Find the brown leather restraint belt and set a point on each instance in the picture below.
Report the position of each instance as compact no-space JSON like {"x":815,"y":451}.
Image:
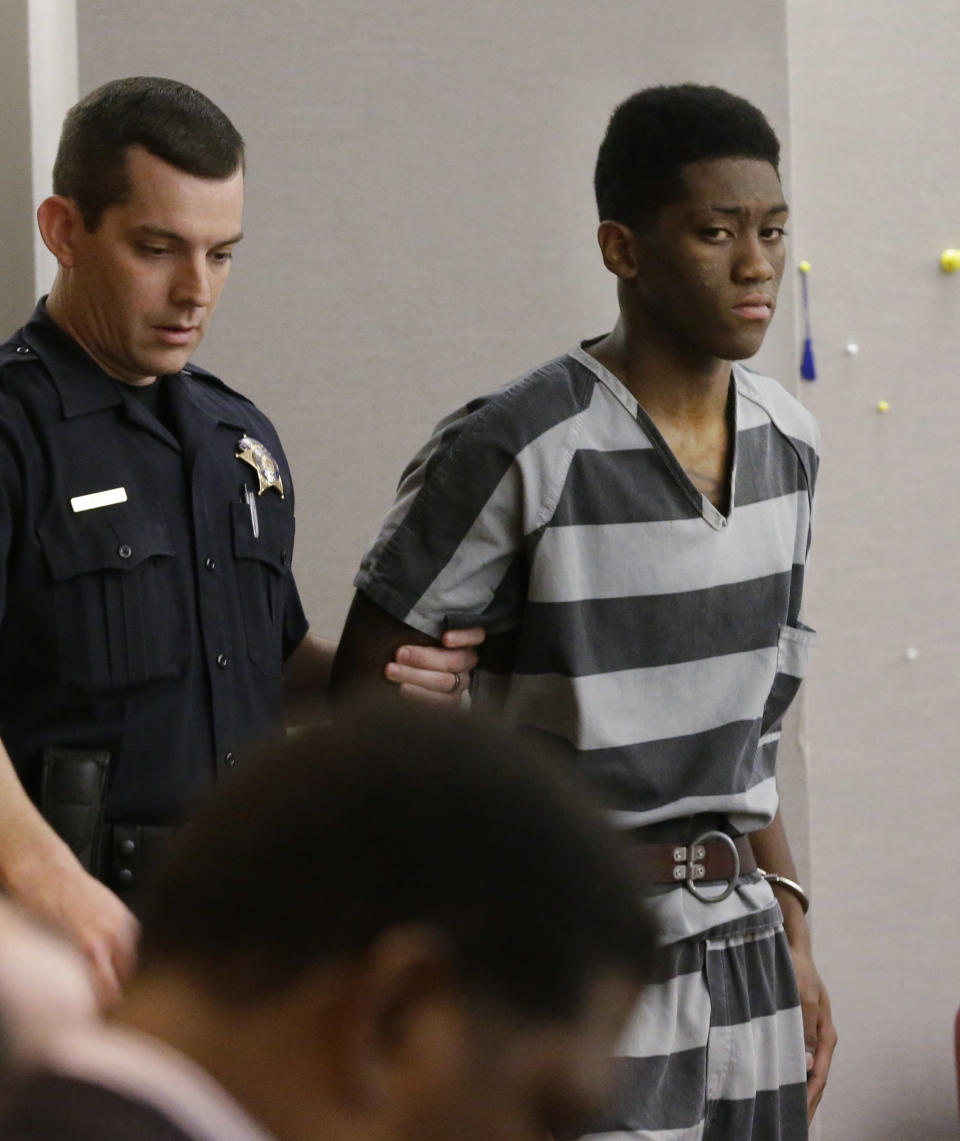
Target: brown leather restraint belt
{"x":712,"y":857}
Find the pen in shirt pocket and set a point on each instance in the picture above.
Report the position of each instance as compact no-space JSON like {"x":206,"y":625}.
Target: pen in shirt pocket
{"x":252,"y":505}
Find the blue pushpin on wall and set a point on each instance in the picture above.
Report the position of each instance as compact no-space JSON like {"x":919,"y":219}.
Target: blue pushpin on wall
{"x":808,"y":366}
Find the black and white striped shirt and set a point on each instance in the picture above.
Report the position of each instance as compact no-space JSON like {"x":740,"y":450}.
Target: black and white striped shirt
{"x":625,"y":614}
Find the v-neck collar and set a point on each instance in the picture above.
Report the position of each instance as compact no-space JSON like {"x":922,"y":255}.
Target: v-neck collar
{"x":701,"y":504}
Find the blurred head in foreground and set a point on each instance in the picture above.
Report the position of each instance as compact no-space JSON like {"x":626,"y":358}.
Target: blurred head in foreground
{"x":398,"y":926}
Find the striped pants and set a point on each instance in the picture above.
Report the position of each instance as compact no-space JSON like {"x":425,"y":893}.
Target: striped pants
{"x":715,"y":1050}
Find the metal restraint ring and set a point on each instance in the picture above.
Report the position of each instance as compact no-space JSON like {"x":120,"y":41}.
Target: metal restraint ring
{"x":688,"y":868}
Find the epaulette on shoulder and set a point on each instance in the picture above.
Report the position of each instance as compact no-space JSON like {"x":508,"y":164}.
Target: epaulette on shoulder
{"x":195,"y":372}
{"x":14,"y":351}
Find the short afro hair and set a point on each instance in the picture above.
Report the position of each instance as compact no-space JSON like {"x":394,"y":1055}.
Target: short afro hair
{"x":172,"y":121}
{"x":392,"y":816}
{"x":657,"y":131}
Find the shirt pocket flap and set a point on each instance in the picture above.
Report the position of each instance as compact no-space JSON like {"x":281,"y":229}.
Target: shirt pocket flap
{"x":121,"y":540}
{"x":271,"y":542}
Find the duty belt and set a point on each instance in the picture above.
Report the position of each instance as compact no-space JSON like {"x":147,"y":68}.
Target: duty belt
{"x":133,"y":852}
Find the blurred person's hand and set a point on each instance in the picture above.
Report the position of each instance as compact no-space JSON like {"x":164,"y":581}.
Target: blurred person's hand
{"x":45,"y":985}
{"x":68,"y":899}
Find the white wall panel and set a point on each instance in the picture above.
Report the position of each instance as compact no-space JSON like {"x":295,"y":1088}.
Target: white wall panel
{"x":16,"y":213}
{"x":53,"y":90}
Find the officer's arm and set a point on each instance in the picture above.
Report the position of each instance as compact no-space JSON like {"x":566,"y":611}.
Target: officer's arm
{"x":377,"y":649}
{"x":39,"y":871}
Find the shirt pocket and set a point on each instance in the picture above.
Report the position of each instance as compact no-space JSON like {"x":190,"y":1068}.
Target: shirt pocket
{"x":117,"y":602}
{"x":263,"y":572}
{"x":795,"y":646}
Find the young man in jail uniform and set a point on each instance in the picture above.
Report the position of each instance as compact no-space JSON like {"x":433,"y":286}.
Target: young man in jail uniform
{"x":630,"y":522}
{"x":150,"y":625}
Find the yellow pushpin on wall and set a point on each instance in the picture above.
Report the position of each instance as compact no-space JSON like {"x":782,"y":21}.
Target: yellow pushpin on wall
{"x":950,"y":261}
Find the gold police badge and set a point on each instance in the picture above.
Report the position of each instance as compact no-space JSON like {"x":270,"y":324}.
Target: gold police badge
{"x":266,"y":467}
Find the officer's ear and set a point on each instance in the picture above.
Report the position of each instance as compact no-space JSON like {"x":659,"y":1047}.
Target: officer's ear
{"x":60,"y":222}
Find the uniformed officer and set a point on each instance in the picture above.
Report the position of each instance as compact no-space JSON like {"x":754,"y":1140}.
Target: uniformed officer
{"x":150,"y":625}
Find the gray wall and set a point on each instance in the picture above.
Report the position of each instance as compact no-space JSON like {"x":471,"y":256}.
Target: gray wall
{"x":420,"y":215}
{"x":421,"y":229}
{"x":876,"y":109}
{"x":419,"y":206}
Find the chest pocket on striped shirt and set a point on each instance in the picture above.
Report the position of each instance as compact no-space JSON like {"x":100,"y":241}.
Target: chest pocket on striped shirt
{"x":795,"y":646}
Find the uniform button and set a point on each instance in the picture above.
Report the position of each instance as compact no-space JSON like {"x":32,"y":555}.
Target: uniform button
{"x":22,"y":349}
{"x":283,"y":557}
{"x":124,"y":550}
{"x":222,"y":660}
{"x":128,"y":847}
{"x":230,"y":760}
{"x":211,"y":564}
{"x":125,"y":875}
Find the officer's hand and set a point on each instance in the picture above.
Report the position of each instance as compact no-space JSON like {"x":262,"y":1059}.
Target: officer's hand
{"x":59,"y":892}
{"x":437,"y":673}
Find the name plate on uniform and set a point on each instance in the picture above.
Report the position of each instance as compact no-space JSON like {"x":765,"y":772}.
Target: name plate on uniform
{"x":99,"y":499}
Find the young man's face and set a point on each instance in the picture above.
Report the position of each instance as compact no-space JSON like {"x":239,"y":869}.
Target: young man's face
{"x":709,"y":268}
{"x":145,"y":283}
{"x":522,"y":1080}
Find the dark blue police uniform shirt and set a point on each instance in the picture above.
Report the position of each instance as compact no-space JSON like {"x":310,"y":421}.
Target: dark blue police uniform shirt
{"x":157,"y":627}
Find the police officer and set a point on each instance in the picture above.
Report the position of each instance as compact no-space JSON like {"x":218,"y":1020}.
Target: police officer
{"x":150,"y":624}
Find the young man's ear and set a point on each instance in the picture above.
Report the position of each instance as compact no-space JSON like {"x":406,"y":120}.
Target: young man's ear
{"x":399,"y":1015}
{"x":619,"y":248}
{"x":60,"y":221}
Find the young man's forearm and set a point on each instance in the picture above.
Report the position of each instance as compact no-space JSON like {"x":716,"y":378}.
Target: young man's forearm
{"x":370,"y":641}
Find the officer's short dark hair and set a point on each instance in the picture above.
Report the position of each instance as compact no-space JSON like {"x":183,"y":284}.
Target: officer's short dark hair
{"x":169,"y":119}
{"x":391,"y":817}
{"x":655,"y":132}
